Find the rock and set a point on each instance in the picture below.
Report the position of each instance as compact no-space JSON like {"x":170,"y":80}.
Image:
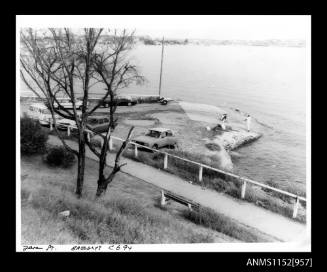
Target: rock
{"x":64,"y":213}
{"x":260,"y":204}
{"x":97,"y":140}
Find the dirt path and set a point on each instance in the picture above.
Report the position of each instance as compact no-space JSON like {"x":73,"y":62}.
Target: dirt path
{"x":273,"y":224}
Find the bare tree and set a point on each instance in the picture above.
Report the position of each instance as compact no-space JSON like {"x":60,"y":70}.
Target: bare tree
{"x":50,"y":66}
{"x":114,"y":70}
{"x":62,"y":61}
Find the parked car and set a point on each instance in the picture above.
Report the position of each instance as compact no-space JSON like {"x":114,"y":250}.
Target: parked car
{"x":157,"y":138}
{"x":97,"y":124}
{"x":63,"y":123}
{"x":122,"y":100}
{"x":41,"y":113}
{"x":164,"y":100}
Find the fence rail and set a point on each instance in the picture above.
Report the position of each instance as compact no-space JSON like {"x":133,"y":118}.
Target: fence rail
{"x":237,"y":177}
{"x":243,"y":180}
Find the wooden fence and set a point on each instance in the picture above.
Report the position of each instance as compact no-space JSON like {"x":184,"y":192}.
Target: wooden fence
{"x":244,"y":181}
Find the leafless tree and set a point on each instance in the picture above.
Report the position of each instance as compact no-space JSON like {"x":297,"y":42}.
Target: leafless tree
{"x":114,"y":70}
{"x":59,"y":62}
{"x":50,"y":66}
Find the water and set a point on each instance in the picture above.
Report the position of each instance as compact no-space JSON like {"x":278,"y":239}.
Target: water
{"x":267,"y":82}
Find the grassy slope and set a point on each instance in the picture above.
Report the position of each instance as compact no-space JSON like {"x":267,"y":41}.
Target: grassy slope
{"x":127,"y":214}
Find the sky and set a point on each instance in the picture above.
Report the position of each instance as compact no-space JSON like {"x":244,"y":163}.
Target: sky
{"x":219,"y":27}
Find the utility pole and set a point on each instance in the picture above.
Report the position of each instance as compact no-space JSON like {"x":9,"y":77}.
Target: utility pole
{"x":162,"y":51}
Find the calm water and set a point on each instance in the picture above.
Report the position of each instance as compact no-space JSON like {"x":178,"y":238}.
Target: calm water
{"x":268,"y":82}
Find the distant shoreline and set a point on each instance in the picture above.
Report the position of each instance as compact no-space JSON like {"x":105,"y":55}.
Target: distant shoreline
{"x":264,"y":43}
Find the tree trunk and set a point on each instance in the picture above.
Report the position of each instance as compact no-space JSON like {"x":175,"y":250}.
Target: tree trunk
{"x":81,"y":166}
{"x":103,"y":184}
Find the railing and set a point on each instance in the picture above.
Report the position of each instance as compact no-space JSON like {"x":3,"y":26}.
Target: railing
{"x":69,"y":127}
{"x":244,"y":180}
{"x":201,"y":166}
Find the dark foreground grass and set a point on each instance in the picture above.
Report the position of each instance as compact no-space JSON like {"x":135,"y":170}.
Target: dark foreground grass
{"x":112,"y":221}
{"x":219,"y":182}
{"x":126,"y":214}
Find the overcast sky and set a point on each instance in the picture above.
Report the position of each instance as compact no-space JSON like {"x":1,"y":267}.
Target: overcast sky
{"x":186,"y":26}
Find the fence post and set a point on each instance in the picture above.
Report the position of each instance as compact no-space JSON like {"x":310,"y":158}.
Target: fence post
{"x":68,"y":130}
{"x":163,"y":199}
{"x":135,"y":151}
{"x":189,"y":206}
{"x":110,"y":143}
{"x":165,"y":161}
{"x":51,"y":125}
{"x":200,"y":172}
{"x":296,"y":207}
{"x":88,"y":136}
{"x":243,"y":189}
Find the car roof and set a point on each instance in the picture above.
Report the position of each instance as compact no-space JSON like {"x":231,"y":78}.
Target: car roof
{"x":160,"y":129}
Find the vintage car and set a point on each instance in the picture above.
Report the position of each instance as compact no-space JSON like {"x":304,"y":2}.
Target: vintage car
{"x":165,"y":100}
{"x":157,"y":138}
{"x":96,"y":124}
{"x":64,"y":123}
{"x":40,"y":112}
{"x":122,"y":100}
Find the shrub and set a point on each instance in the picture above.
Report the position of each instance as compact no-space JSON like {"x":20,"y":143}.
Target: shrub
{"x":32,"y":137}
{"x":59,"y":156}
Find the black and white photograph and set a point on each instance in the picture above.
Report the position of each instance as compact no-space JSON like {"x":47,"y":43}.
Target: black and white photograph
{"x":163,"y":133}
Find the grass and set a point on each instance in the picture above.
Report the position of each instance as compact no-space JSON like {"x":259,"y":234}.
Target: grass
{"x":112,"y":221}
{"x":219,"y":222}
{"x":126,"y":214}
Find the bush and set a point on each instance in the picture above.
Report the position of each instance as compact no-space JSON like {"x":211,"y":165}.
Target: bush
{"x":59,"y":156}
{"x":32,"y":137}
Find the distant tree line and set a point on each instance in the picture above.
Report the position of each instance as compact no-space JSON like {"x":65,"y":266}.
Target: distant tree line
{"x":149,"y":41}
